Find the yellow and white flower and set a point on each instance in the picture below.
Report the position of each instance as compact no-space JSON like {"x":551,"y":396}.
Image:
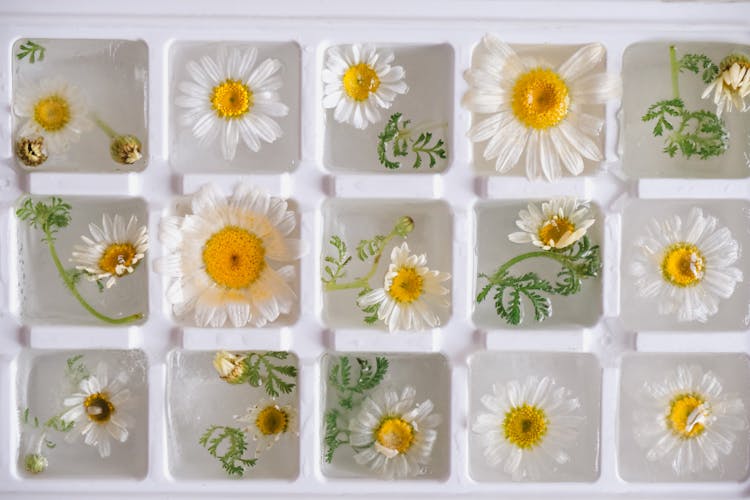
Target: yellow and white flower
{"x":359,"y":81}
{"x":535,"y":109}
{"x":113,"y":250}
{"x":687,"y":420}
{"x":221,"y":257}
{"x":732,"y":84}
{"x":531,"y":427}
{"x":410,"y":293}
{"x":98,"y":410}
{"x":267,"y":422}
{"x":231,"y":367}
{"x":231,"y":98}
{"x":686,"y":267}
{"x":559,"y":223}
{"x":53,"y":109}
{"x":392,"y":435}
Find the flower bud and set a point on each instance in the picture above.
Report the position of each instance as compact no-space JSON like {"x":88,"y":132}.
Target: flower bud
{"x":231,"y":367}
{"x":35,"y":463}
{"x":31,"y":151}
{"x":125,"y":149}
{"x":404,"y":226}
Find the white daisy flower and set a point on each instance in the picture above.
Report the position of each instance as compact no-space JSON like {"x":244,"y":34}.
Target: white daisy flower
{"x":232,"y":99}
{"x":535,"y":109}
{"x":220,"y":255}
{"x":686,"y":267}
{"x":559,"y":223}
{"x":531,"y":427}
{"x":687,"y":421}
{"x":359,"y":81}
{"x":53,"y":109}
{"x":732,"y":84}
{"x":392,"y":435}
{"x":267,"y":422}
{"x":113,"y":251}
{"x":97,"y":410}
{"x":410,"y":293}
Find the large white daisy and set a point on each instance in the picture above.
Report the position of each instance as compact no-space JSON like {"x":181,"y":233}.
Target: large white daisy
{"x":732,"y":84}
{"x":529,"y":107}
{"x":267,"y":422}
{"x":97,"y":410}
{"x":232,"y":99}
{"x":530,"y":428}
{"x":221,"y":257}
{"x":686,"y":267}
{"x":53,"y":109}
{"x":358,"y":81}
{"x":559,"y":223}
{"x":687,"y":421}
{"x":410,"y":293}
{"x":393,"y":436}
{"x":113,"y":251}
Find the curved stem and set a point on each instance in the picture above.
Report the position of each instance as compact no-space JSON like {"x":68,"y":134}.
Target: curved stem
{"x":530,"y":255}
{"x":421,"y":127}
{"x":364,"y":281}
{"x":105,"y":128}
{"x":675,"y":71}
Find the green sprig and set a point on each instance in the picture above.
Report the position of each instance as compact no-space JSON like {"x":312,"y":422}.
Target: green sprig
{"x":399,"y":138}
{"x":263,"y":371}
{"x":33,"y":50}
{"x":700,"y":64}
{"x":76,"y":370}
{"x":234,"y":444}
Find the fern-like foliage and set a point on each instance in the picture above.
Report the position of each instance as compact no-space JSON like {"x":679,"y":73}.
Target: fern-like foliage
{"x":263,"y":370}
{"x":32,"y":50}
{"x":334,"y":269}
{"x":49,"y":217}
{"x":700,"y":64}
{"x":397,"y":138}
{"x":229,"y":445}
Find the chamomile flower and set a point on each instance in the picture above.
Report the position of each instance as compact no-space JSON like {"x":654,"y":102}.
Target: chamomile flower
{"x":97,"y":410}
{"x":359,"y":81}
{"x":410,"y":293}
{"x":531,"y":426}
{"x":230,"y":98}
{"x":530,"y":107}
{"x":113,"y":250}
{"x":394,"y":436}
{"x":686,"y":267}
{"x":687,"y":421}
{"x":53,"y":109}
{"x":559,"y":223}
{"x":222,"y":256}
{"x":267,"y":422}
{"x":732,"y":84}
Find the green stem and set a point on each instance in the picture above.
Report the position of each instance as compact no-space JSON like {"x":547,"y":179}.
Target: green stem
{"x":530,"y":255}
{"x":105,"y":128}
{"x":364,"y":281}
{"x":675,"y":70}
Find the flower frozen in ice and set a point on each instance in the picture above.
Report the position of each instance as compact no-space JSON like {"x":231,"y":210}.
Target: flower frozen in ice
{"x":530,"y":107}
{"x":267,"y":422}
{"x":559,"y":223}
{"x":732,"y":84}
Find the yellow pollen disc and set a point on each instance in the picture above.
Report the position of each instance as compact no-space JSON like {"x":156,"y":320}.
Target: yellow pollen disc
{"x":98,"y":407}
{"x":683,"y":265}
{"x":554,"y":229}
{"x":231,"y":99}
{"x":540,"y":99}
{"x":52,"y":113}
{"x":360,"y":81}
{"x":271,"y":421}
{"x":679,"y":412}
{"x":117,"y":254}
{"x":234,"y":257}
{"x":525,"y":426}
{"x":406,"y":285}
{"x":395,"y":433}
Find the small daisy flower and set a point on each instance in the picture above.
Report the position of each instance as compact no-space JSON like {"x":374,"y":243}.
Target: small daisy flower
{"x":393,"y":436}
{"x":686,"y":267}
{"x":97,"y":410}
{"x":267,"y":422}
{"x":559,"y":223}
{"x":530,"y":427}
{"x":687,"y":421}
{"x":732,"y":84}
{"x":535,"y":109}
{"x":230,"y":98}
{"x":113,"y":251}
{"x":53,"y":109}
{"x":358,"y":82}
{"x":231,"y":367}
{"x":410,"y":293}
{"x":221,"y":258}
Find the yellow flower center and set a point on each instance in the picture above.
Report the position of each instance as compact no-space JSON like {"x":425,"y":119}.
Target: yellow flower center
{"x":540,"y":99}
{"x":115,"y":255}
{"x":406,"y":285}
{"x":552,"y":231}
{"x":683,"y":417}
{"x":683,"y":265}
{"x":360,"y":81}
{"x":98,"y":407}
{"x":52,"y":113}
{"x":231,"y":99}
{"x":271,"y":421}
{"x":395,"y":433}
{"x":234,"y":257}
{"x":525,"y":426}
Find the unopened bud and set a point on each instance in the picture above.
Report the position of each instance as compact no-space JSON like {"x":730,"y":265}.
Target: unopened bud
{"x":404,"y":226}
{"x":125,"y":149}
{"x":31,"y":151}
